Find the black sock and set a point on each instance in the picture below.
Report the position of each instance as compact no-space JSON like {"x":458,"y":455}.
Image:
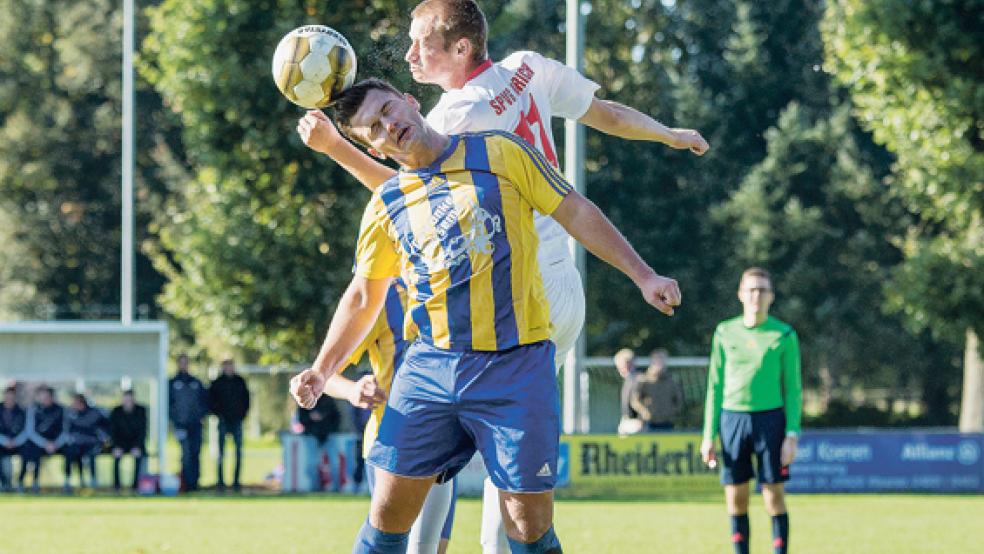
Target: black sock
{"x":740,"y":533}
{"x":780,"y":533}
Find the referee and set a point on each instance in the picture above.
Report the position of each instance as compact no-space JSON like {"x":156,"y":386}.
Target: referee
{"x":754,"y":399}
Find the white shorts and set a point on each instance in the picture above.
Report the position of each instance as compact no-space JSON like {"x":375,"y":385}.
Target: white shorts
{"x":565,"y":293}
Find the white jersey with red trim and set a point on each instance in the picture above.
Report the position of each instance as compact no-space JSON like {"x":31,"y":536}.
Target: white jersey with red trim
{"x":520,"y":94}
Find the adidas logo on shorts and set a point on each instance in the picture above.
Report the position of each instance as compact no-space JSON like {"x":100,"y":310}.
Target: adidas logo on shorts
{"x":544,"y":471}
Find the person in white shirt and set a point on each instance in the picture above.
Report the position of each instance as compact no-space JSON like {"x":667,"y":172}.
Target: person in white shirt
{"x":520,"y":94}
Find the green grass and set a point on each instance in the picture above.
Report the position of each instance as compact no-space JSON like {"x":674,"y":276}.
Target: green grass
{"x":267,"y":525}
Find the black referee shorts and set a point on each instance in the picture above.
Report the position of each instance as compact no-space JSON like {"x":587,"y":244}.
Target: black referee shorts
{"x":747,"y":435}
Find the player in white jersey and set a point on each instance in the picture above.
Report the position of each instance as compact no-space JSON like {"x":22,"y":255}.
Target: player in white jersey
{"x":520,"y":94}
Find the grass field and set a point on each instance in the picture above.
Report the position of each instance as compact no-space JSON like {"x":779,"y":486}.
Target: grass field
{"x":268,"y":525}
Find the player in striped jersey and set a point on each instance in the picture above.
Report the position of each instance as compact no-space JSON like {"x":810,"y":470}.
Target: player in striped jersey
{"x":385,"y":346}
{"x":457,"y":225}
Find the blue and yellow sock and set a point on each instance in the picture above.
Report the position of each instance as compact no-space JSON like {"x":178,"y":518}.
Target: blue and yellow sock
{"x":547,"y":544}
{"x":373,"y":541}
{"x":780,"y":533}
{"x":740,"y":533}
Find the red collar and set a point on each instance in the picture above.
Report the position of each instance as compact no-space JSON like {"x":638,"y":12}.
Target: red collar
{"x":481,"y":68}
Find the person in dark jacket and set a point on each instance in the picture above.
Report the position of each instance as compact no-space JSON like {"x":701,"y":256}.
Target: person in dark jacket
{"x":13,"y":435}
{"x":128,"y":435}
{"x":228,"y":399}
{"x":318,"y":424}
{"x":187,"y":406}
{"x":87,"y":433}
{"x":46,"y":434}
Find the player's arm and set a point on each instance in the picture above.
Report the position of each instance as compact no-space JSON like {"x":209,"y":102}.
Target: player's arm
{"x":635,"y":400}
{"x":357,"y":312}
{"x":622,"y":121}
{"x":792,"y":396}
{"x":715,"y":398}
{"x":319,"y":134}
{"x":585,"y":222}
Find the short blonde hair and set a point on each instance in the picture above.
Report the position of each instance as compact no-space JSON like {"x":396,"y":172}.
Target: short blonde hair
{"x":624,"y":355}
{"x":457,"y":19}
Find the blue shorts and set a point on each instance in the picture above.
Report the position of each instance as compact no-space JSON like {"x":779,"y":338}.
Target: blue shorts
{"x":445,"y":405}
{"x":745,"y":435}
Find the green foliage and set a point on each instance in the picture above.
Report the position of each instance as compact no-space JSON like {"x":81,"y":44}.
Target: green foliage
{"x":914,"y":70}
{"x":257,"y":241}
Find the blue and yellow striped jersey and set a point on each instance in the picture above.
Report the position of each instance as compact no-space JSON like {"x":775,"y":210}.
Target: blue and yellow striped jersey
{"x":461,"y":233}
{"x":385,"y":344}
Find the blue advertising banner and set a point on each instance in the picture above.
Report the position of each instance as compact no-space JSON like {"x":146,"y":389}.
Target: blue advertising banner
{"x":903,"y":461}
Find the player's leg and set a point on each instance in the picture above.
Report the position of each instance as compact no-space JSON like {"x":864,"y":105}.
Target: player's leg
{"x":736,"y":460}
{"x":565,"y":295}
{"x":512,"y":408}
{"x":770,"y":430}
{"x":419,"y":438}
{"x":223,"y":430}
{"x":396,"y":501}
{"x":442,"y":546}
{"x":425,"y":534}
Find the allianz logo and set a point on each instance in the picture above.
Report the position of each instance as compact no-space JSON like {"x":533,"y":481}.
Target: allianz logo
{"x":965,"y":452}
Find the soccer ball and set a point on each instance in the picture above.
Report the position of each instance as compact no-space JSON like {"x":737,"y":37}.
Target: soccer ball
{"x":312,"y":65}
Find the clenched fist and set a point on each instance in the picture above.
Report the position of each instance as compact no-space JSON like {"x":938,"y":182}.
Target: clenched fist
{"x":307,"y":387}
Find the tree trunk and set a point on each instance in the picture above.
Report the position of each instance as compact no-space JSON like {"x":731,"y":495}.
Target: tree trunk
{"x":972,"y":403}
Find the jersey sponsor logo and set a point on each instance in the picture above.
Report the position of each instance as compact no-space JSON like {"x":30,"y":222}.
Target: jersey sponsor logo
{"x":517,"y":84}
{"x":544,"y":471}
{"x":481,"y":226}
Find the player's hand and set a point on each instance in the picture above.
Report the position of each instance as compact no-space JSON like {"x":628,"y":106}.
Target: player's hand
{"x":367,"y":393}
{"x":307,"y":387}
{"x":662,"y":293}
{"x":689,"y":139}
{"x":317,"y":132}
{"x":117,"y":452}
{"x":50,"y":447}
{"x":707,"y":453}
{"x":788,"y":452}
{"x":134,"y":452}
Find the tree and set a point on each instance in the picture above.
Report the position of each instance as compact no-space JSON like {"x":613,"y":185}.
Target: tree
{"x":915,"y":72}
{"x":256,"y":241}
{"x":60,"y":157}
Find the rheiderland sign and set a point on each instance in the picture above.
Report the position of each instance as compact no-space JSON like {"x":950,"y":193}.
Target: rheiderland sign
{"x":886,"y":461}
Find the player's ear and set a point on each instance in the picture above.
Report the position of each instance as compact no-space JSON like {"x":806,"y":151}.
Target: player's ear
{"x":413,"y":101}
{"x":462,"y":46}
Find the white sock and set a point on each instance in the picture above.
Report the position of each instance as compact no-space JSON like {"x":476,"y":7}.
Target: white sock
{"x":493,"y":531}
{"x":425,"y":534}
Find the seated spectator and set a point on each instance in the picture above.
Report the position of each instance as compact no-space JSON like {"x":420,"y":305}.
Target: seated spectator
{"x":13,"y":434}
{"x":46,"y":435}
{"x":318,"y":424}
{"x":87,"y":433}
{"x":128,"y":435}
{"x":655,"y":396}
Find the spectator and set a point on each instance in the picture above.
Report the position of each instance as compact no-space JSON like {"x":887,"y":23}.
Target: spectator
{"x":625,"y":364}
{"x":655,"y":396}
{"x":46,"y":435}
{"x":754,"y":402}
{"x":128,"y":434}
{"x":187,"y":407}
{"x":13,"y":434}
{"x":317,"y":425}
{"x":228,"y":399}
{"x":86,"y":428}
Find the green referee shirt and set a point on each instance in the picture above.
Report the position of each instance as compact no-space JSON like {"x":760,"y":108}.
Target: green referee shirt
{"x":751,"y":370}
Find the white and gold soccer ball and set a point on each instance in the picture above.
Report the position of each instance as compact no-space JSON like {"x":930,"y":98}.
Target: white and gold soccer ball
{"x":312,"y":64}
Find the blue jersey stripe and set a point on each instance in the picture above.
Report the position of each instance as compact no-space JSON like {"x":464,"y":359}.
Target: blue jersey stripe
{"x":398,"y":214}
{"x":548,"y":171}
{"x":487,"y":189}
{"x":394,"y":310}
{"x":446,"y":221}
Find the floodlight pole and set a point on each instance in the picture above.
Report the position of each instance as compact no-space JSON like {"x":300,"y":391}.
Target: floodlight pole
{"x":126,"y":248}
{"x":575,"y":393}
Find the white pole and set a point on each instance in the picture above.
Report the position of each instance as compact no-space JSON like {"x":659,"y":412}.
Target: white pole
{"x":162,"y":403}
{"x":574,"y":171}
{"x":126,"y":248}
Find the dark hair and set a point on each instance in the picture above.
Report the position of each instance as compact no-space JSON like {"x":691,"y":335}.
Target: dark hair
{"x":346,"y":104}
{"x":128,"y":392}
{"x":457,"y":19}
{"x":11,"y":388}
{"x":81,"y":398}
